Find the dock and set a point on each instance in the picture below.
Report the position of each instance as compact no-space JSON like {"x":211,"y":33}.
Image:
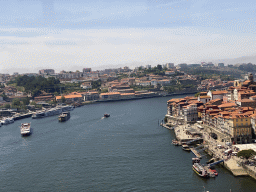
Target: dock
{"x":166,"y":126}
{"x":196,"y":153}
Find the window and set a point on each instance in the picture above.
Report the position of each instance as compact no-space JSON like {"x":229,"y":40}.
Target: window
{"x":236,"y":120}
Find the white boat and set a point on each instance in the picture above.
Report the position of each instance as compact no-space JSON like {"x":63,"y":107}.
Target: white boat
{"x":25,"y":129}
{"x":10,"y":119}
{"x":4,"y":121}
{"x":56,"y":110}
{"x":39,"y":114}
{"x":47,"y":113}
{"x":67,"y":108}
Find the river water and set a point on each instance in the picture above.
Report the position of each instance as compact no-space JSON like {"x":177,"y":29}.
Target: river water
{"x":126,"y":152}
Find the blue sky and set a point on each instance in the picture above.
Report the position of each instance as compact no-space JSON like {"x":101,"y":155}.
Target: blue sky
{"x":71,"y":35}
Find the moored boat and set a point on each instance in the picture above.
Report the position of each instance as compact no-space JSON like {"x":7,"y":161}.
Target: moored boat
{"x":18,"y":116}
{"x":185,"y":147}
{"x":25,"y":129}
{"x":214,"y":172}
{"x":67,"y":108}
{"x":200,"y":170}
{"x":64,"y":116}
{"x":39,"y":114}
{"x":10,"y":119}
{"x":195,"y":160}
{"x":4,"y":121}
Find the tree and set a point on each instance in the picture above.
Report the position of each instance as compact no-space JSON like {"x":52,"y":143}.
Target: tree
{"x":4,"y":97}
{"x":7,"y":106}
{"x":158,"y":86}
{"x":15,"y":102}
{"x":33,"y":103}
{"x":197,"y":94}
{"x":159,"y":67}
{"x":63,"y":99}
{"x":25,"y":101}
{"x":246,"y":153}
{"x":96,"y":84}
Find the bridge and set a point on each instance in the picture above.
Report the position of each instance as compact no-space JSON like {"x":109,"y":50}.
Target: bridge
{"x":194,"y":141}
{"x":216,"y":163}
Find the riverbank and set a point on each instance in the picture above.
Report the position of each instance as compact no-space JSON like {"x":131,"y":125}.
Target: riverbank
{"x":216,"y":149}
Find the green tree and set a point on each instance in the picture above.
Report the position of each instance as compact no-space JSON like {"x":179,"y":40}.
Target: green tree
{"x":4,"y":97}
{"x":63,"y":99}
{"x":158,"y":86}
{"x":7,"y":106}
{"x":15,"y":102}
{"x":25,"y":101}
{"x":104,"y":90}
{"x":246,"y":153}
{"x":33,"y":103}
{"x":197,"y":94}
{"x":96,"y":84}
{"x":159,"y":67}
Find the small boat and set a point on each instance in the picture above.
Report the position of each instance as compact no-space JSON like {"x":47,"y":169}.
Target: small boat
{"x":214,"y":172}
{"x":195,"y":160}
{"x":25,"y":129}
{"x":106,"y":115}
{"x":64,"y":116}
{"x":175,"y":142}
{"x":185,"y":147}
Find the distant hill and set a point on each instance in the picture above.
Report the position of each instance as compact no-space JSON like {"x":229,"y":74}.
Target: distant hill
{"x":239,"y":60}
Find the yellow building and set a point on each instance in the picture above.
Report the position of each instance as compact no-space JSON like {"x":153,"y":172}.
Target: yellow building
{"x":241,"y":128}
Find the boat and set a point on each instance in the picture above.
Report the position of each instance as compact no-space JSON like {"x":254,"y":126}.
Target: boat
{"x":4,"y":121}
{"x":200,"y":170}
{"x":67,"y":108}
{"x":175,"y":142}
{"x":10,"y":119}
{"x":185,"y":147}
{"x":64,"y":116}
{"x":214,"y":172}
{"x":106,"y":115}
{"x":18,"y":116}
{"x":25,"y":129}
{"x":39,"y":114}
{"x":195,"y":160}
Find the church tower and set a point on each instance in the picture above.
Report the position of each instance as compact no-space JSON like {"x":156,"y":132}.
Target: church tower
{"x":251,"y":78}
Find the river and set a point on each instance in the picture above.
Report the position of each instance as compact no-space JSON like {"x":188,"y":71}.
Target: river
{"x":126,"y":152}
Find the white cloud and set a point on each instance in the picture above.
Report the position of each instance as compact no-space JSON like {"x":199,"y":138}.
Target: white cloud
{"x":93,"y":48}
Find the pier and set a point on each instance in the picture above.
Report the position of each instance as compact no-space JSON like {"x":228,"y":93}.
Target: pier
{"x":166,"y":126}
{"x":196,"y":153}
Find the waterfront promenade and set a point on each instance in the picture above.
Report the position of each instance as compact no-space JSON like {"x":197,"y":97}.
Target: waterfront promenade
{"x":214,"y":148}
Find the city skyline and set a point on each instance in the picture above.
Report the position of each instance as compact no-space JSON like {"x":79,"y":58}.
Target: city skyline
{"x":76,"y":34}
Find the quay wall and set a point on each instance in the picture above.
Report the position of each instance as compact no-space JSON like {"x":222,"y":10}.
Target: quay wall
{"x":250,"y":172}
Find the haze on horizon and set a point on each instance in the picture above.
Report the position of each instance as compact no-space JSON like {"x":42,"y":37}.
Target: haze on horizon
{"x":72,"y":35}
